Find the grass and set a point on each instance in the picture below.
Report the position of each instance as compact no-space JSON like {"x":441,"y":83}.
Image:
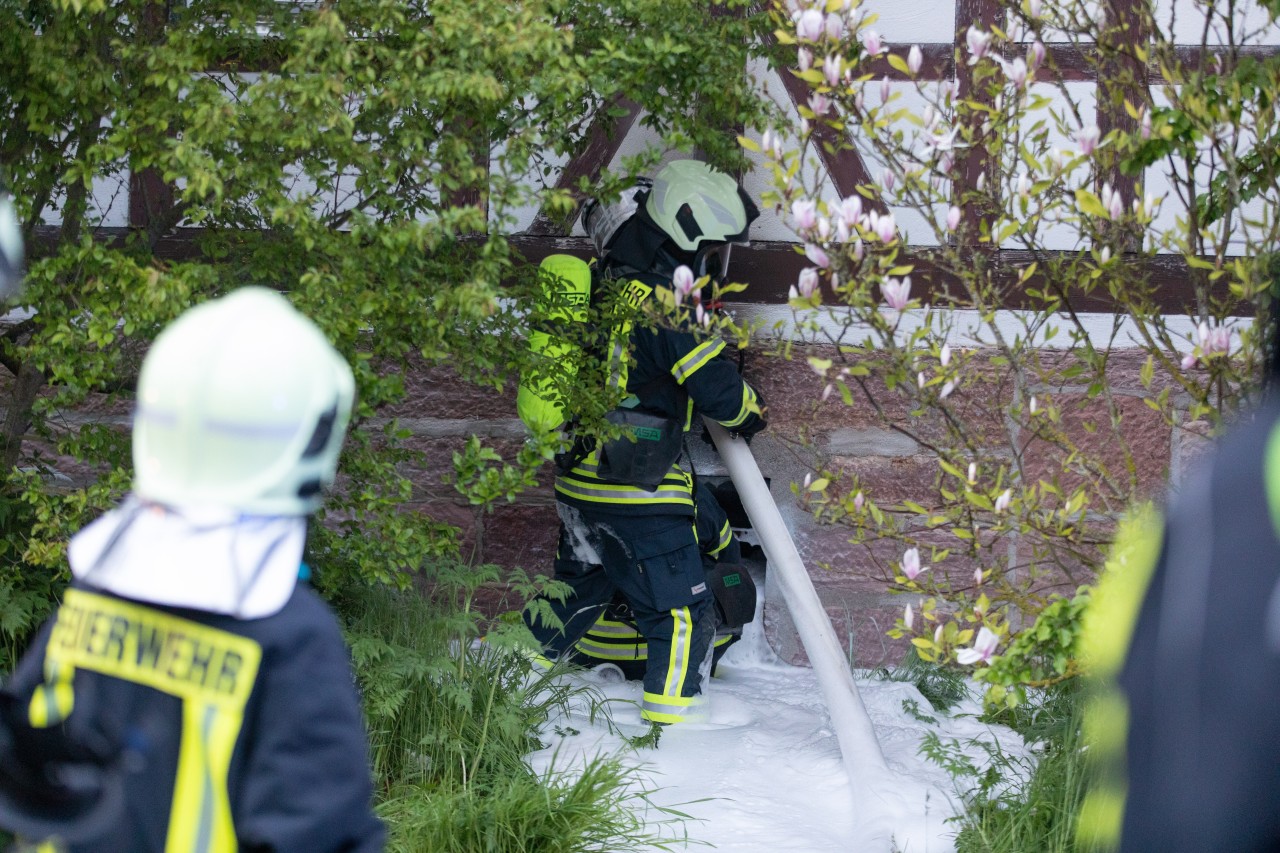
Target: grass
{"x":450,"y":723}
{"x":1015,"y":804}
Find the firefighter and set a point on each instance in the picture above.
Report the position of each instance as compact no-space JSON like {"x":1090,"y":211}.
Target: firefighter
{"x":627,"y":517}
{"x":1203,"y":667}
{"x":192,"y":692}
{"x":615,"y":638}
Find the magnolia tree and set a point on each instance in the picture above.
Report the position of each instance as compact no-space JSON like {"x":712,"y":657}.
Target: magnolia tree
{"x":981,"y":291}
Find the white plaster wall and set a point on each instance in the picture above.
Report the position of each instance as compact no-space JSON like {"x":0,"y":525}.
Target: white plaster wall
{"x":1241,"y":22}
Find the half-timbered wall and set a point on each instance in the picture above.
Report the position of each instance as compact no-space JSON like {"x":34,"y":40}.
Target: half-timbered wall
{"x":442,"y":412}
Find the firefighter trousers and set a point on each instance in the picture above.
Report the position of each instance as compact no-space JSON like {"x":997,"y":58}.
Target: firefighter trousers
{"x":654,"y":561}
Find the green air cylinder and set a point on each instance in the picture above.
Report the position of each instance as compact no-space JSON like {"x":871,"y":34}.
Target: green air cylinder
{"x":566,"y":287}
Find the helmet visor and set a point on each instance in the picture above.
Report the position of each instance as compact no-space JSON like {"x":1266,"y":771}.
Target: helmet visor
{"x":714,"y":261}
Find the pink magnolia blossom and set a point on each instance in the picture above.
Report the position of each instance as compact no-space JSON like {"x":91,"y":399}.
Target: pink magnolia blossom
{"x":1002,"y":502}
{"x":977,"y":576}
{"x":817,"y":255}
{"x":979,"y":44}
{"x":831,"y":69}
{"x":1087,"y":138}
{"x":804,"y":214}
{"x":884,"y":89}
{"x":1033,"y":9}
{"x":1017,"y":72}
{"x":944,"y":357}
{"x":859,"y":501}
{"x":973,"y":473}
{"x":858,"y":250}
{"x":911,"y":564}
{"x":700,"y":315}
{"x":835,"y":27}
{"x":872,"y":42}
{"x":1035,"y":55}
{"x":1214,"y":340}
{"x":947,"y":388}
{"x":953,"y":218}
{"x":810,"y":25}
{"x":915,"y":59}
{"x":804,"y":59}
{"x":937,"y":635}
{"x":921,"y":379}
{"x":885,"y":228}
{"x":823,"y":228}
{"x":1024,"y":184}
{"x":851,"y":208}
{"x":808,"y":282}
{"x":842,"y":230}
{"x":1146,"y":124}
{"x":896,"y":293}
{"x":682,"y":281}
{"x":1189,"y":361}
{"x":826,"y":391}
{"x":819,"y":103}
{"x":984,"y":648}
{"x":887,"y":180}
{"x":908,"y":618}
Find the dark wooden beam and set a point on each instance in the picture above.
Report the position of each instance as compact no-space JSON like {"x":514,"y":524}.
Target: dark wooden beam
{"x":770,"y":268}
{"x":603,"y":139}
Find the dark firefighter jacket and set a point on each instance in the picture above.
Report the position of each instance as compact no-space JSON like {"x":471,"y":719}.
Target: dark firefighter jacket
{"x":702,"y":380}
{"x":1203,"y":671}
{"x":224,"y":733}
{"x":1184,"y":638}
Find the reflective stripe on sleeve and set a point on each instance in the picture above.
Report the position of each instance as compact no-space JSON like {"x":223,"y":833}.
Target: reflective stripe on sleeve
{"x":697,"y":357}
{"x":726,"y":536}
{"x":748,"y":404}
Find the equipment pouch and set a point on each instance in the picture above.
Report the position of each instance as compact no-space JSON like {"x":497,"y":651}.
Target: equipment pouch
{"x":642,"y":456}
{"x":735,"y":595}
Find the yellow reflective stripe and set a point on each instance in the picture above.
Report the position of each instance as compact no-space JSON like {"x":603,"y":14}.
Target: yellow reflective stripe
{"x":749,"y":404}
{"x":211,"y":670}
{"x":146,"y":646}
{"x":200,"y":817}
{"x":635,"y":293}
{"x":726,"y":536}
{"x":678,"y":660}
{"x":608,"y":651}
{"x":604,"y":627}
{"x":697,"y":357}
{"x":53,"y":700}
{"x":665,"y":709}
{"x":622,"y":494}
{"x":723,"y":639}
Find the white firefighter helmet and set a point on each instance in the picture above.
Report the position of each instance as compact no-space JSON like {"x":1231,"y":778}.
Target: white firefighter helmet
{"x":10,"y":248}
{"x":703,"y":211}
{"x":242,"y":403}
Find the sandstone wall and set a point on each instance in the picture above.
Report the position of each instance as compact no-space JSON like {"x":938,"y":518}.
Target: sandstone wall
{"x":805,"y":434}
